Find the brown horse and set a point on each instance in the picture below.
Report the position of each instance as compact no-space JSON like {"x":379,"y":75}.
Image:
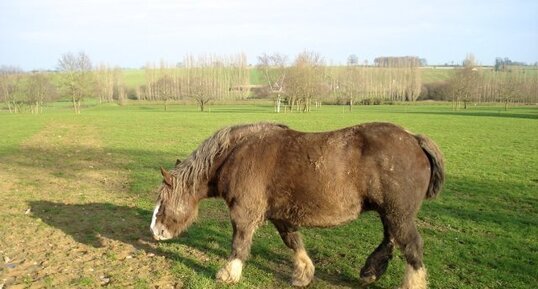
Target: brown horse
{"x":294,"y":179}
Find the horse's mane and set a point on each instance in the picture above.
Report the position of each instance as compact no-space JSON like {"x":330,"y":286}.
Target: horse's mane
{"x":195,"y":168}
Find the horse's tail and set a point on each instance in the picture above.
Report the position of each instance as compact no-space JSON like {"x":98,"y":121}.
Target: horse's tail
{"x":437,"y":164}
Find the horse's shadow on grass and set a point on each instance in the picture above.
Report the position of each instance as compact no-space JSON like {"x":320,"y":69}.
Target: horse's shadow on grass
{"x":90,"y":223}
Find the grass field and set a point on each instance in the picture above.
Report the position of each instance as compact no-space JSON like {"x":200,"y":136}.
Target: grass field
{"x":76,"y":198}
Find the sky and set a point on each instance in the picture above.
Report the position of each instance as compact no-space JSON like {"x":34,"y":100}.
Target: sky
{"x":131,"y":33}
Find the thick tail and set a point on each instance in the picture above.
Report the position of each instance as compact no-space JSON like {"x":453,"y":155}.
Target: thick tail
{"x":437,"y":164}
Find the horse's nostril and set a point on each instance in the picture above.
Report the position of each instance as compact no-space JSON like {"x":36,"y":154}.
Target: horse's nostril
{"x":162,"y":232}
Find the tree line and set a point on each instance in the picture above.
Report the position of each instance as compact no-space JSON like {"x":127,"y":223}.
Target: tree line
{"x":472,"y":84}
{"x":295,"y":85}
{"x":309,"y":80}
{"x":21,"y":91}
{"x":202,"y":79}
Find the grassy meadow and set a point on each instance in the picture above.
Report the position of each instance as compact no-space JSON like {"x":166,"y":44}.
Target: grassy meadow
{"x":77,"y":193}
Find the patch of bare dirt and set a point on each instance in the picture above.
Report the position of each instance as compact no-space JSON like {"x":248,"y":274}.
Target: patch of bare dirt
{"x":66,"y":220}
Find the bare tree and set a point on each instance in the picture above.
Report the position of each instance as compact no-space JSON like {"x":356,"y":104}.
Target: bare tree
{"x":273,"y":69}
{"x":105,"y":79}
{"x":76,"y":77}
{"x":397,"y":78}
{"x":352,"y":59}
{"x":511,"y":87}
{"x":201,"y":90}
{"x":38,"y":89}
{"x":464,"y":84}
{"x":119,"y":87}
{"x":9,"y":85}
{"x":165,"y":89}
{"x":305,"y":80}
{"x":350,"y":83}
{"x":210,"y":77}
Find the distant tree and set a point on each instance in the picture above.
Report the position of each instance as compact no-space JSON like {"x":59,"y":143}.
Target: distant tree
{"x":119,"y":87}
{"x":305,"y":80}
{"x":76,"y":77}
{"x":352,"y":60}
{"x":396,"y":78}
{"x":273,"y":69}
{"x":201,"y":89}
{"x":39,"y":90}
{"x":165,"y":89}
{"x":439,"y":90}
{"x":464,"y":84}
{"x":395,"y":61}
{"x":351,"y":83}
{"x":506,"y":63}
{"x":104,"y":83}
{"x":9,"y":87}
{"x":499,"y":64}
{"x":511,"y":87}
{"x":423,"y":62}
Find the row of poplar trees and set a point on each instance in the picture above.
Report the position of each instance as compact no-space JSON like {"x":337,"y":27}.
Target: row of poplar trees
{"x":509,"y":84}
{"x":310,"y":80}
{"x":202,"y":79}
{"x":294,"y":86}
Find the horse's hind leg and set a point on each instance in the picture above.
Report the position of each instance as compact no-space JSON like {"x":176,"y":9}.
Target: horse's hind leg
{"x":377,"y":263}
{"x":303,"y":272}
{"x":410,"y":242}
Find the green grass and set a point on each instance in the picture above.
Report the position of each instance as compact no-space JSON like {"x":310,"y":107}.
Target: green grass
{"x":134,"y":77}
{"x":84,"y":282}
{"x":480,"y":233}
{"x":436,"y":74}
{"x":256,"y":77}
{"x":15,"y":129}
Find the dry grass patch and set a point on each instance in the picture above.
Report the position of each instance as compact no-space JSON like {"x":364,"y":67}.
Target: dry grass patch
{"x":67,"y":220}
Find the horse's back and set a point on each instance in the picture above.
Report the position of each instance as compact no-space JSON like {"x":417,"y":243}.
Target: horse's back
{"x":322,"y":179}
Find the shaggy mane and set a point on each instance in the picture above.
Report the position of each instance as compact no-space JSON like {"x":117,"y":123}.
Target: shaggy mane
{"x":195,"y":168}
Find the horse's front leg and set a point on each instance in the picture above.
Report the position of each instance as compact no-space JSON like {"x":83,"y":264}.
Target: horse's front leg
{"x":242,"y":240}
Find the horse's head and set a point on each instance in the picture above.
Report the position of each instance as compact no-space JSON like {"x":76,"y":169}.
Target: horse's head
{"x":175,"y":210}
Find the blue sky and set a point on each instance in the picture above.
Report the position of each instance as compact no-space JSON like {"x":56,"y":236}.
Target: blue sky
{"x":130,"y":33}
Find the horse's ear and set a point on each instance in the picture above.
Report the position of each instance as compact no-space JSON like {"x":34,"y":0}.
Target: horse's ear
{"x":178,"y":161}
{"x":167,"y":177}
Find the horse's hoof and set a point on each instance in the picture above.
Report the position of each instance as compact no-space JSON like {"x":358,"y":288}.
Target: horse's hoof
{"x":300,"y":282}
{"x":227,"y":277}
{"x":231,"y":273}
{"x":304,"y":271}
{"x":367,"y":280}
{"x":414,"y":278}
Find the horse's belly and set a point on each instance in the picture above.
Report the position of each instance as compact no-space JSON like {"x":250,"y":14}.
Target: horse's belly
{"x":328,"y":220}
{"x":320,"y":213}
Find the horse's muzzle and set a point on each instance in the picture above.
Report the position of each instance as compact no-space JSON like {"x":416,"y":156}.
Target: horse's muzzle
{"x":160,"y":234}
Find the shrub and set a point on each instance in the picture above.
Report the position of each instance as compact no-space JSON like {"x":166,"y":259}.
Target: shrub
{"x":434,"y":91}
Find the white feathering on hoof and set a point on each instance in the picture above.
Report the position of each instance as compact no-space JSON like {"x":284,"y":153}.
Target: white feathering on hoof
{"x":304,"y":269}
{"x":414,"y":279}
{"x":231,"y":273}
